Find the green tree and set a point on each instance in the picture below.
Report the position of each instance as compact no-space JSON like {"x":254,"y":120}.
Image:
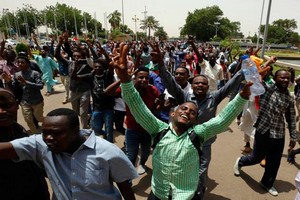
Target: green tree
{"x":161,"y":33}
{"x":207,"y":23}
{"x":65,"y":19}
{"x":141,"y":36}
{"x":114,"y":19}
{"x":27,"y":19}
{"x":149,"y":23}
{"x":282,"y":32}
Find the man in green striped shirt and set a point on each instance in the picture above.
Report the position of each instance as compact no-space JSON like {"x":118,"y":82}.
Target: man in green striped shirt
{"x":175,"y":159}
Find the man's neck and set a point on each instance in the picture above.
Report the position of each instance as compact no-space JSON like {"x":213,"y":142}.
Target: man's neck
{"x":76,"y":144}
{"x":184,"y":85}
{"x":179,"y":130}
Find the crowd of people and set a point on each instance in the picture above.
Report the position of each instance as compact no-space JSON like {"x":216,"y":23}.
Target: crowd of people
{"x":163,"y":96}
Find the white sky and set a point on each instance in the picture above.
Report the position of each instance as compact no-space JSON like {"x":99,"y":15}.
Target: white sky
{"x":171,"y":14}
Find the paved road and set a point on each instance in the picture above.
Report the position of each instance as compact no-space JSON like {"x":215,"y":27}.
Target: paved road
{"x":222,"y":184}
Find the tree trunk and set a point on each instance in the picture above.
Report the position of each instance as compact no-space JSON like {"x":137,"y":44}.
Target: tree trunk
{"x":149,"y":33}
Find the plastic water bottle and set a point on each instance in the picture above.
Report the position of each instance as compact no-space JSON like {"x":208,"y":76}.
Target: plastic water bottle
{"x":250,"y":72}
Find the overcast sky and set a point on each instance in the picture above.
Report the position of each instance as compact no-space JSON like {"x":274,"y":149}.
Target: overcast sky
{"x":171,"y":14}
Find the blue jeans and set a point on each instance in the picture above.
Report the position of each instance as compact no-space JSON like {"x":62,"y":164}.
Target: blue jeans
{"x":133,"y":140}
{"x":103,"y":117}
{"x":204,"y":163}
{"x":269,"y":148}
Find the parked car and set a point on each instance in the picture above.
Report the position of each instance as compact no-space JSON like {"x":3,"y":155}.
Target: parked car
{"x":294,"y":47}
{"x":10,"y":43}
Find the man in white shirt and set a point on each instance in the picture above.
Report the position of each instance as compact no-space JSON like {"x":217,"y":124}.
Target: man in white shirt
{"x":212,"y":71}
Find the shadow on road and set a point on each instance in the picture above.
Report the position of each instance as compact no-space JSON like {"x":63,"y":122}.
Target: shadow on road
{"x":211,"y":185}
{"x":280,"y":185}
{"x":143,"y":184}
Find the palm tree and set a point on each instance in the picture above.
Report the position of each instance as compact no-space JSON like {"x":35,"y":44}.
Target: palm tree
{"x":114,"y":19}
{"x":149,"y":23}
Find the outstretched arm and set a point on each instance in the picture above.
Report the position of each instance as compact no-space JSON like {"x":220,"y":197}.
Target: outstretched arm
{"x":7,"y":151}
{"x":168,"y":80}
{"x":224,"y":119}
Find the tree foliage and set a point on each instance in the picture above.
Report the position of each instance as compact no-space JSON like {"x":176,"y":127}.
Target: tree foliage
{"x":282,"y":32}
{"x":114,"y":19}
{"x":150,"y":23}
{"x":208,"y":23}
{"x":26,"y":20}
{"x":161,"y":33}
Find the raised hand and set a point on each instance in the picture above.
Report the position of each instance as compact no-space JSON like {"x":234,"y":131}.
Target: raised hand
{"x":156,"y":51}
{"x":60,"y":39}
{"x":245,"y":92}
{"x":21,"y":80}
{"x":120,"y":64}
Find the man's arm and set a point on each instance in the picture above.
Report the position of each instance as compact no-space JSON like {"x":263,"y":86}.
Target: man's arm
{"x":126,"y":190}
{"x":7,"y":151}
{"x":291,"y":121}
{"x":57,"y":54}
{"x":227,"y":115}
{"x":231,"y":86}
{"x":167,"y":79}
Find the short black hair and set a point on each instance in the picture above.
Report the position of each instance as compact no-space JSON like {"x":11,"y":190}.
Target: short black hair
{"x":186,"y":69}
{"x":202,"y":75}
{"x":72,"y":116}
{"x":142,"y":69}
{"x":280,"y":70}
{"x":100,"y":61}
{"x":24,"y":58}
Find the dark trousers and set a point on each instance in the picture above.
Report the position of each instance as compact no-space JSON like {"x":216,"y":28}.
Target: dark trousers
{"x":269,"y":148}
{"x":119,"y":121}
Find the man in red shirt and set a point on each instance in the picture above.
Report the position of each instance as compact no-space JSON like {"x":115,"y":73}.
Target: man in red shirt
{"x":135,"y":135}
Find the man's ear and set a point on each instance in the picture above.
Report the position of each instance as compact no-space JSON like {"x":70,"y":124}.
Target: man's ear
{"x":172,"y":114}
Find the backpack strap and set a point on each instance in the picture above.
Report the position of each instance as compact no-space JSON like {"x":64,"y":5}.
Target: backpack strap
{"x":196,"y":141}
{"x":159,"y":136}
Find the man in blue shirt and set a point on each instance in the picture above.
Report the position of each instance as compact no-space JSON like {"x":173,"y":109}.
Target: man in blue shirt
{"x":79,"y":165}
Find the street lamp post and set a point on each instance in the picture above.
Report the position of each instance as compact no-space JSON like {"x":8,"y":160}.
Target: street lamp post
{"x":123,"y":29}
{"x":217,"y":24}
{"x":75,"y":25}
{"x":135,"y":19}
{"x":261,"y":16}
{"x":266,"y":30}
{"x":55,"y":24}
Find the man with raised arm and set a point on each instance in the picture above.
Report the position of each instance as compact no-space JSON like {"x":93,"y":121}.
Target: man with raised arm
{"x":175,"y":159}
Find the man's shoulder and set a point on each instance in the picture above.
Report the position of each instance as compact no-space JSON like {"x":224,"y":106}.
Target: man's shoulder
{"x":152,"y":89}
{"x":218,"y":67}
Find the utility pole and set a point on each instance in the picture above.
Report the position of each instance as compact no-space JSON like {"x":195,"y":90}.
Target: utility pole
{"x":5,"y":21}
{"x":35,"y":23}
{"x":96,"y":30}
{"x":123,"y":29}
{"x":75,"y":25}
{"x":55,"y":24}
{"x":261,"y":16}
{"x":65,"y":22}
{"x":145,"y":18}
{"x":135,"y":19}
{"x":217,"y":24}
{"x":105,"y":25}
{"x":266,"y":30}
{"x":16,"y":25}
{"x":47,"y":35}
{"x":85,"y":26}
